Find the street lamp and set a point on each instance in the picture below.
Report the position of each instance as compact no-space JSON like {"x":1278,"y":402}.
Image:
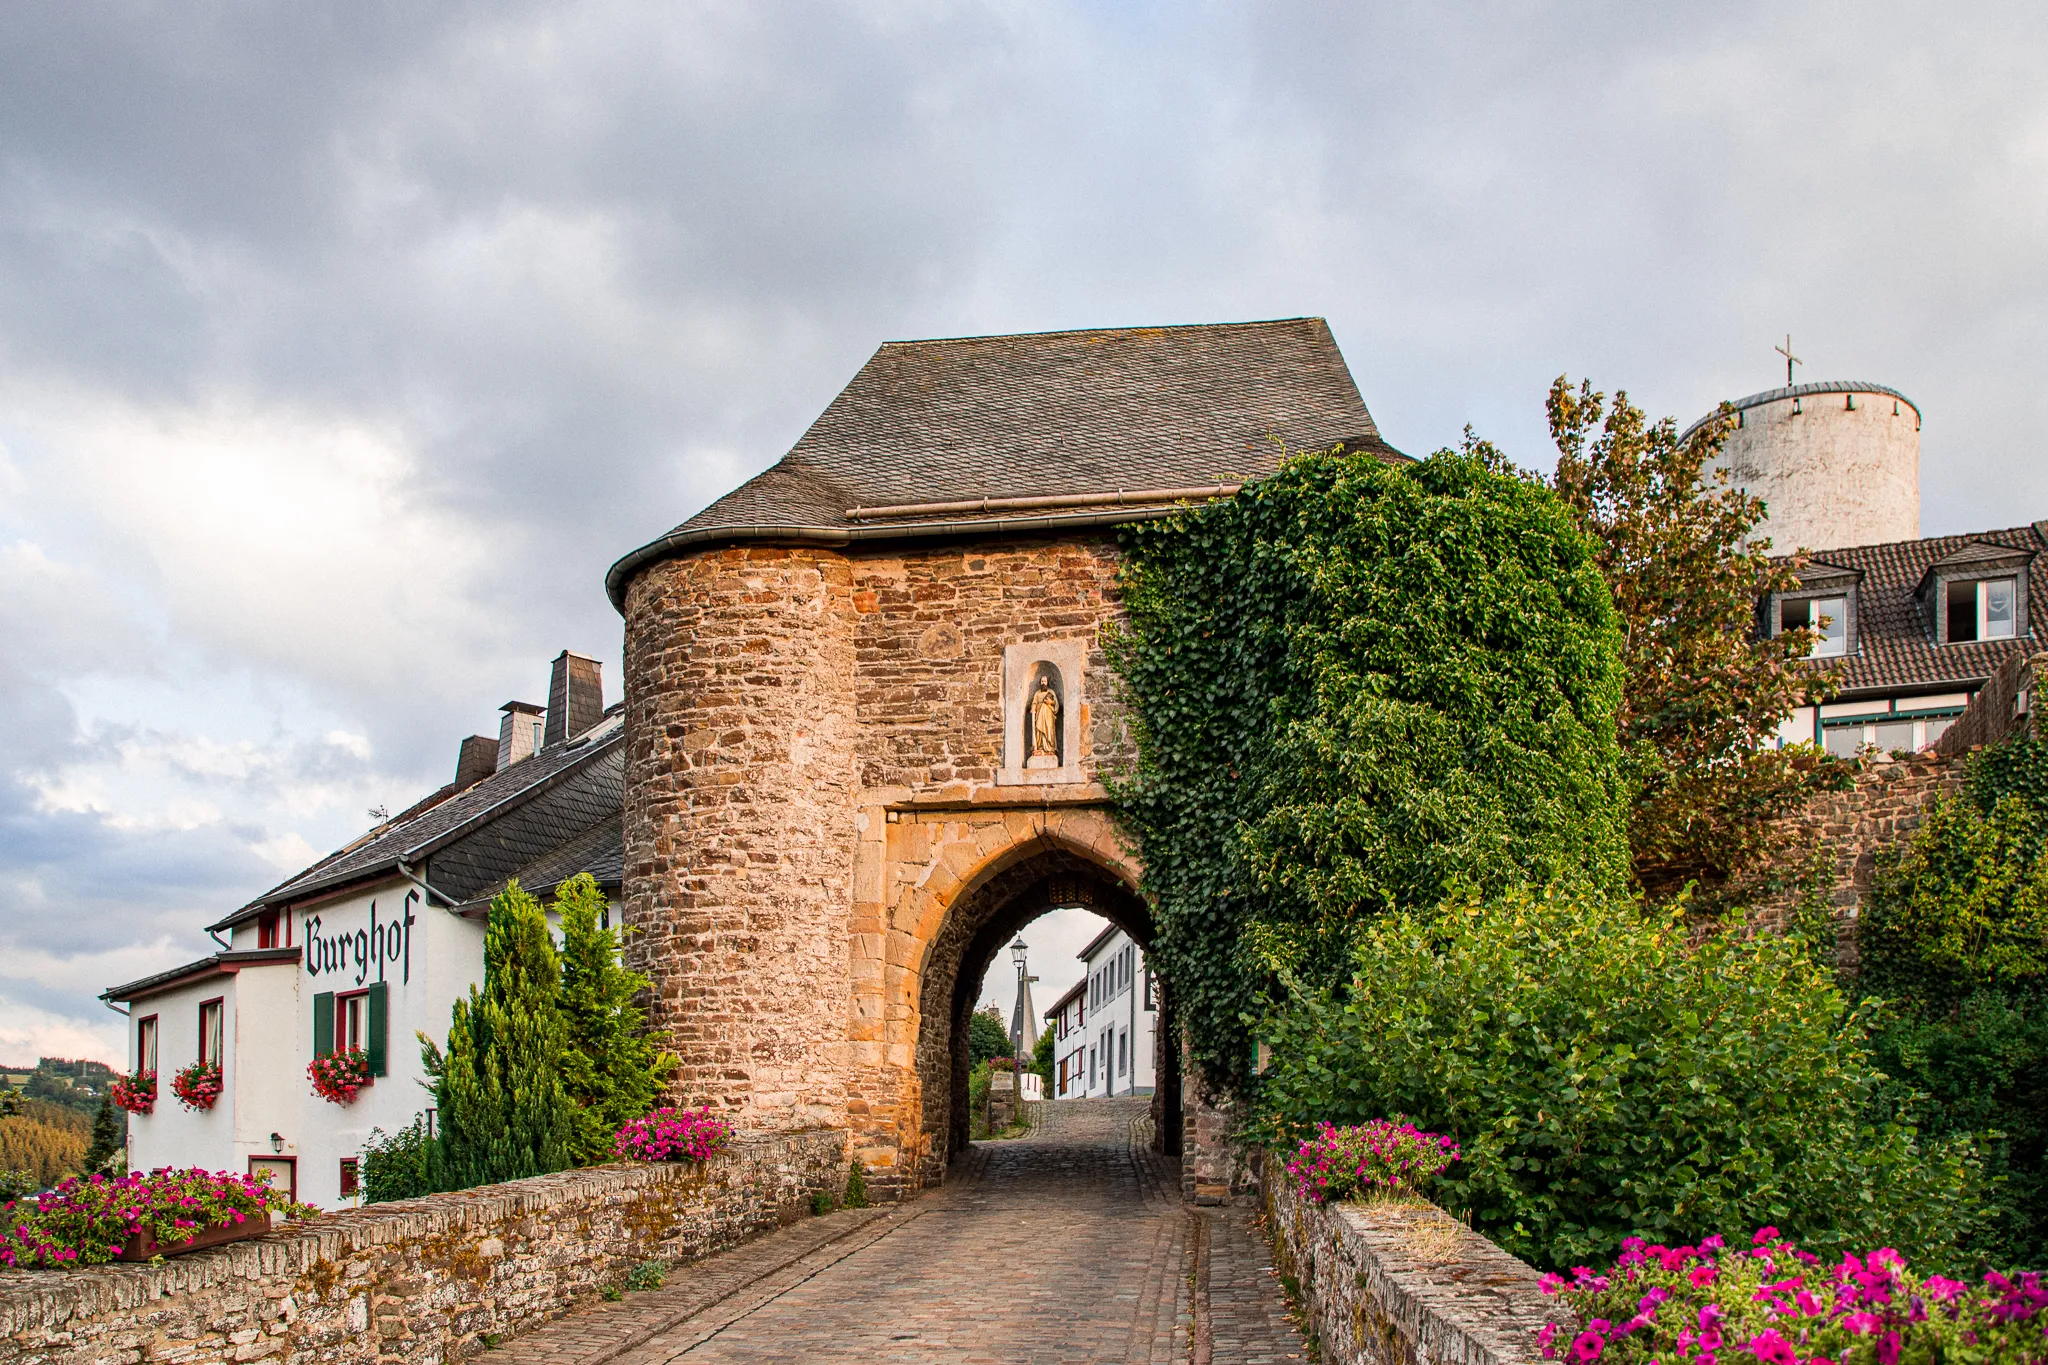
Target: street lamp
{"x":1017,"y":951}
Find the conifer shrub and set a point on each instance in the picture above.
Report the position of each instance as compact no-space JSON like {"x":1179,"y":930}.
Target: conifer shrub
{"x":611,"y":1070}
{"x":1605,"y":1079}
{"x":856,"y":1187}
{"x":1359,"y":688}
{"x":504,"y":1112}
{"x":402,"y":1165}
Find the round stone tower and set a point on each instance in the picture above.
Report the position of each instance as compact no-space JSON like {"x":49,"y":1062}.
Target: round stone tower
{"x":1837,"y":463}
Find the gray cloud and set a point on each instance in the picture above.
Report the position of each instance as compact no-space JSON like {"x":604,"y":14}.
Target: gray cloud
{"x":341,"y":350}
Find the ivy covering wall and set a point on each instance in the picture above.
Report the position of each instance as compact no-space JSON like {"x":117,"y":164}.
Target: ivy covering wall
{"x":1359,"y":688}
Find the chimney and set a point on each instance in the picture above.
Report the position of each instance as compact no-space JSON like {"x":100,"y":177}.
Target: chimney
{"x":478,"y":760}
{"x":518,"y":733}
{"x":575,"y":697}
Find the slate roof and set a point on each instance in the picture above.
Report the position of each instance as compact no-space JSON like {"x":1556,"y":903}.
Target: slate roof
{"x":463,"y":842}
{"x":1043,"y":414}
{"x":1895,"y":642}
{"x":225,"y":961}
{"x":599,"y":850}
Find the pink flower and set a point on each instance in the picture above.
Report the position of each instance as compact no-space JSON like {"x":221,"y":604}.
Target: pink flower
{"x":1862,"y":1324}
{"x":1763,"y":1235}
{"x":1701,"y":1276}
{"x":1587,"y":1346}
{"x":1771,"y":1349}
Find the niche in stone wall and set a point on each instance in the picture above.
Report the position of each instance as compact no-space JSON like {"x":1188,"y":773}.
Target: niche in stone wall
{"x":1042,"y":712}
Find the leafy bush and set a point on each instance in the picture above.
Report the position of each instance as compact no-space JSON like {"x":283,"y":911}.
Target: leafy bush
{"x":401,"y":1165}
{"x":1369,"y":1158}
{"x":1776,"y":1303}
{"x":85,"y":1221}
{"x":1954,"y":934}
{"x":673,"y":1135}
{"x":1603,"y":1079}
{"x":647,"y":1275}
{"x":1359,"y":688}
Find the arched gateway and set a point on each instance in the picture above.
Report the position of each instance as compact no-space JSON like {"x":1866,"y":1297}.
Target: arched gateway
{"x":868,"y":712}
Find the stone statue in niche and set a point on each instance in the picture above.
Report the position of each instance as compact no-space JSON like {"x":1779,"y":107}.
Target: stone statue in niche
{"x":1042,"y":729}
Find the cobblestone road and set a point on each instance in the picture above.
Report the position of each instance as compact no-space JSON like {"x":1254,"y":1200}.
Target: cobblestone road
{"x":1070,"y":1245}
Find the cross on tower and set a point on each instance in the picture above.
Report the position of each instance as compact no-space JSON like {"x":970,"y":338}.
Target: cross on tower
{"x":1790,"y":359}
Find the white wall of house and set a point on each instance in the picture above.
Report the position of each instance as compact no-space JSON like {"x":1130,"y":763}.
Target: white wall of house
{"x":1070,"y":1046}
{"x":425,"y":958}
{"x":1122,"y":1017}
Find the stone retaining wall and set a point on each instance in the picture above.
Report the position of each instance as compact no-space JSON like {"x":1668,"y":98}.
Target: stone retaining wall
{"x":1404,"y":1284}
{"x":417,"y":1282}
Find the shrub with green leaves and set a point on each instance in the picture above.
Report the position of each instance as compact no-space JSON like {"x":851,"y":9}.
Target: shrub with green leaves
{"x":1954,"y":934}
{"x":1359,"y":688}
{"x":401,"y":1165}
{"x":1603,"y":1078}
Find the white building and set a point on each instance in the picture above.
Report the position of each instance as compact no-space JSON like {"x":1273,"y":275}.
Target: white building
{"x":370,"y":947}
{"x":1106,"y":1024}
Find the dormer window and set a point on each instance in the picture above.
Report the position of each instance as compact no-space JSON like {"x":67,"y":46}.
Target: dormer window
{"x":1826,"y":617}
{"x":1983,"y":609}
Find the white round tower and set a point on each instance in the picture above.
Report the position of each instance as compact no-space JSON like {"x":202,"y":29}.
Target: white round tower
{"x":1836,"y":463}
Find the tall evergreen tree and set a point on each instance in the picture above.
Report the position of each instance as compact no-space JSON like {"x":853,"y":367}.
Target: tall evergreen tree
{"x":107,"y":1136}
{"x":504,"y":1113}
{"x":612,"y":1071}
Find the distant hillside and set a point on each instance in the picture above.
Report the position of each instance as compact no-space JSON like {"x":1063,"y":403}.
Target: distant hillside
{"x":45,"y":1152}
{"x":75,"y":1084}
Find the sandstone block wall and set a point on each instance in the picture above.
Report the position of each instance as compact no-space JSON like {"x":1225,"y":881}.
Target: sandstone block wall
{"x":813,"y":743}
{"x":418,"y":1282}
{"x":739,"y":827}
{"x":1401,"y":1284}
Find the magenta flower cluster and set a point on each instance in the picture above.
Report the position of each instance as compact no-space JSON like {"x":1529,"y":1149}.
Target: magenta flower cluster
{"x":86,"y":1221}
{"x":1773,"y":1304}
{"x":1379,"y":1157}
{"x":198,"y":1085}
{"x":673,"y":1135}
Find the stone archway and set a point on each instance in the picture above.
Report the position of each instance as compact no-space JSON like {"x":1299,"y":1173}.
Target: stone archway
{"x":949,"y":887}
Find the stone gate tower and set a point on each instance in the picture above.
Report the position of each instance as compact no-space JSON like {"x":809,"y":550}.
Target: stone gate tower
{"x":868,"y":714}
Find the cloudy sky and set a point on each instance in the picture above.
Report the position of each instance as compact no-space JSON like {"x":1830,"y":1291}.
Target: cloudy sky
{"x":342,"y":347}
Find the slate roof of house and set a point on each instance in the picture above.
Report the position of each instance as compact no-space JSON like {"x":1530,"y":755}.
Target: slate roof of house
{"x":1040,"y":415}
{"x":461,"y":842}
{"x":1894,"y":637}
{"x":599,"y":850}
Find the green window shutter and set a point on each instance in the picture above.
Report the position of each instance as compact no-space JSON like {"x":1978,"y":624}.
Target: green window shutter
{"x":380,"y":998}
{"x":323,"y":1023}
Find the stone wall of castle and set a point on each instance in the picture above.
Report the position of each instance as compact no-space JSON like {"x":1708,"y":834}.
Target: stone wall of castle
{"x":814,"y":752}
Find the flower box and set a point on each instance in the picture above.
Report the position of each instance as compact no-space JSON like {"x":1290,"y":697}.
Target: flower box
{"x":142,"y":1245}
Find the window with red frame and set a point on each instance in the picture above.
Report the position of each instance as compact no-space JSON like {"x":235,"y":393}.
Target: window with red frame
{"x":348,"y":1177}
{"x":212,"y":1031}
{"x":145,"y":1043}
{"x":266,"y":929}
{"x":352,"y":1021}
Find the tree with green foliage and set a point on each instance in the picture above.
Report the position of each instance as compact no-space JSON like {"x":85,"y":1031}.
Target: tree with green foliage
{"x":1359,"y":688}
{"x":109,"y":1137}
{"x":986,"y":1036}
{"x":1705,"y":690}
{"x":504,"y":1112}
{"x":612,"y":1071}
{"x":1954,"y":936}
{"x":1042,"y":1059}
{"x":1605,"y":1076}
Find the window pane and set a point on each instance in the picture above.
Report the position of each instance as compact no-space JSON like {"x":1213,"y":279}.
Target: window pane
{"x":1794,"y":615}
{"x":1938,"y":727}
{"x":1844,"y":740}
{"x":1895,"y":734}
{"x":1998,"y":608}
{"x":1831,"y":620}
{"x":1962,"y":612}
